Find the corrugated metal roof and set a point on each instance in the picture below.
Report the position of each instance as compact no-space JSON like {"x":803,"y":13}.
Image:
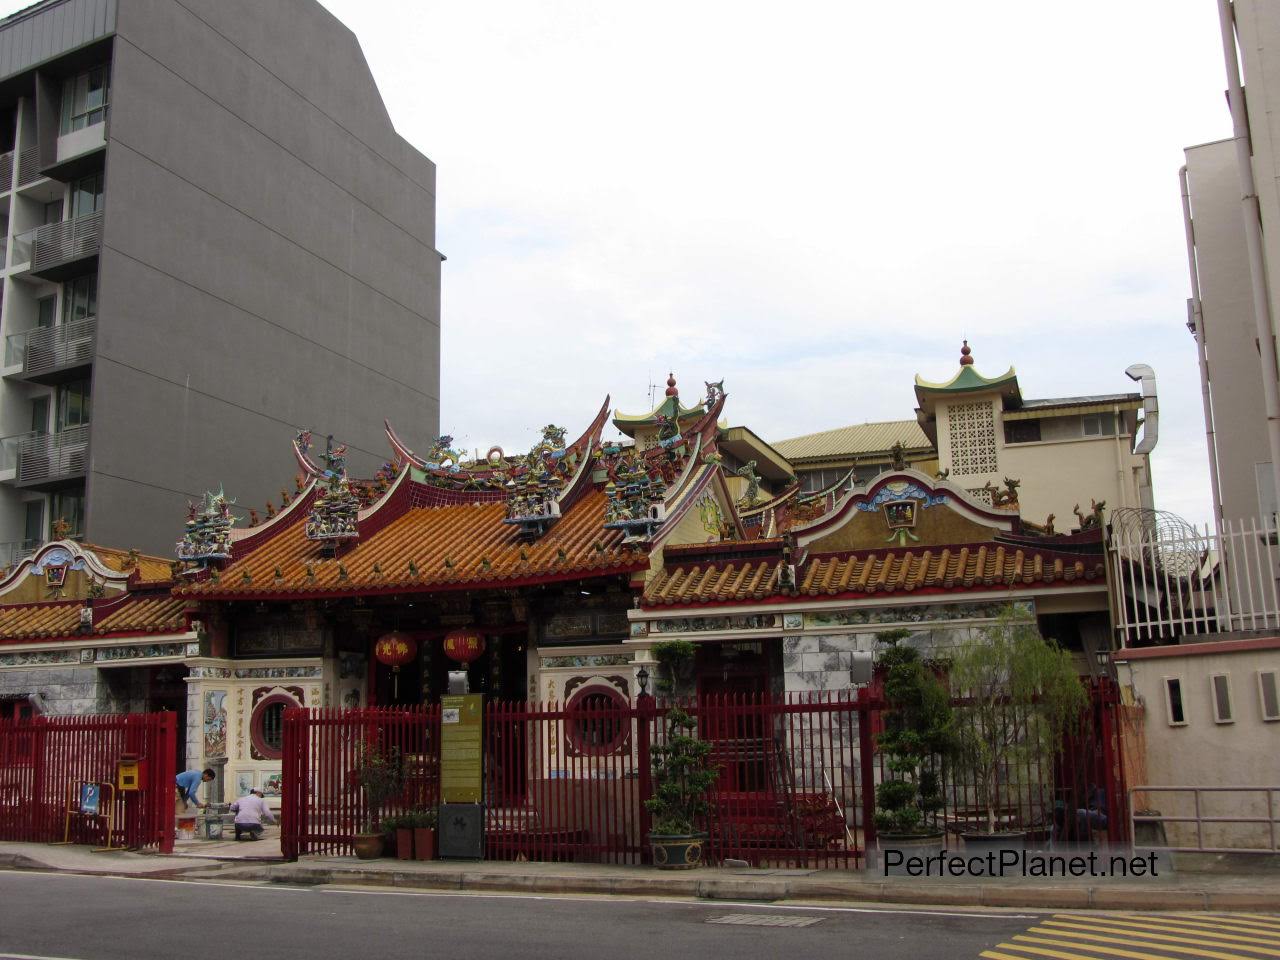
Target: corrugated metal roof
{"x":855,"y":440}
{"x":1082,"y":401}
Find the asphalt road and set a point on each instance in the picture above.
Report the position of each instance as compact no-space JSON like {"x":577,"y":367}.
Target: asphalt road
{"x":103,"y":918}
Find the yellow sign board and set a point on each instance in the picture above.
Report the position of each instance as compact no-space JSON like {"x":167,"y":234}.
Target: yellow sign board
{"x":461,"y":748}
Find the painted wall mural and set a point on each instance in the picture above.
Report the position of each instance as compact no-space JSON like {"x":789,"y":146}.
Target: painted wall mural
{"x":215,"y":723}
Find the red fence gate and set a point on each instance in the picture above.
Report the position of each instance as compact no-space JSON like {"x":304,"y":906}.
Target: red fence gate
{"x":567,"y":783}
{"x":42,"y":760}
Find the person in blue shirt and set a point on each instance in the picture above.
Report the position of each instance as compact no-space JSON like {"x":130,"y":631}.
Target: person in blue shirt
{"x":188,"y":784}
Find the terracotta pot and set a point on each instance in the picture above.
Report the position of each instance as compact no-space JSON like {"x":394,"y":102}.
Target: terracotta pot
{"x":404,"y":843}
{"x":368,"y":846}
{"x":424,"y":843}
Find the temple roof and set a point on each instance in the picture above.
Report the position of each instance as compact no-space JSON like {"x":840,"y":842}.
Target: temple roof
{"x":972,"y":567}
{"x":670,"y":410}
{"x":426,"y":548}
{"x":133,"y":614}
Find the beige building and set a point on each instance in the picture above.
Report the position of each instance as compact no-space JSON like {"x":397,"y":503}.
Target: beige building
{"x":1231,"y":201}
{"x":980,"y":432}
{"x":1212,"y":719}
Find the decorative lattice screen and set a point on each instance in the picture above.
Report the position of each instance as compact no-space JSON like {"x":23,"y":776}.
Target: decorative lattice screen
{"x":973,"y":438}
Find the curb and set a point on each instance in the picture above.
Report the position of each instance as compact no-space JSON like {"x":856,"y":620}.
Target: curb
{"x":773,"y":890}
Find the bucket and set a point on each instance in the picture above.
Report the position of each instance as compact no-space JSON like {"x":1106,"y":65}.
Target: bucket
{"x":186,"y":828}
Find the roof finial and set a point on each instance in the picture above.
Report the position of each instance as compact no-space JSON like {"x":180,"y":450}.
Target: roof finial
{"x":671,"y":385}
{"x":965,"y":359}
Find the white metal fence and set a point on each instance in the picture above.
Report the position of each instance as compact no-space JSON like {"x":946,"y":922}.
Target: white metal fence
{"x":1168,"y":583}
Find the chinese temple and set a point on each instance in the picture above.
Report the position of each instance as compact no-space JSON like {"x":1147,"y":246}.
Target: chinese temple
{"x":547,"y":575}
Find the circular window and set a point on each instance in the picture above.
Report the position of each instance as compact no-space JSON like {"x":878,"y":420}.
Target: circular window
{"x":598,"y":722}
{"x":266,"y":728}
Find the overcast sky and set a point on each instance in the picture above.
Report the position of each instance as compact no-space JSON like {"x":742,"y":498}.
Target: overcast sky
{"x":813,"y":201}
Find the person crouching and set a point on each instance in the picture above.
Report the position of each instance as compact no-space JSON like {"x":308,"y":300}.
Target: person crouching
{"x":250,"y":811}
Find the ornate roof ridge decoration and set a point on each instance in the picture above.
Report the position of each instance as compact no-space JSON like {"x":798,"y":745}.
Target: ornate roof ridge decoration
{"x":669,"y":412}
{"x":444,"y":468}
{"x":335,"y":510}
{"x":68,"y":553}
{"x":207,"y":534}
{"x":643,"y":486}
{"x":898,"y":487}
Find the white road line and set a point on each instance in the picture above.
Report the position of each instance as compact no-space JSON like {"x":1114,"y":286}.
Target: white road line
{"x":706,"y":904}
{"x":262,"y":885}
{"x":31,"y":956}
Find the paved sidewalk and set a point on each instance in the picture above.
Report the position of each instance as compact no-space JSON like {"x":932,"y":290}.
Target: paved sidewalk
{"x":1254,"y":891}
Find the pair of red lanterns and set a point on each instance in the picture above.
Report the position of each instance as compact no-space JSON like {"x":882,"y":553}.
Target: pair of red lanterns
{"x":395,"y":649}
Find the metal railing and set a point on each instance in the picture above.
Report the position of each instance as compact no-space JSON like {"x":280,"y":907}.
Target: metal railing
{"x":67,"y":240}
{"x":15,"y":551}
{"x":29,"y":165}
{"x":1169,"y":584}
{"x":48,"y":348}
{"x":6,"y":172}
{"x":48,"y":456}
{"x":1199,"y":818}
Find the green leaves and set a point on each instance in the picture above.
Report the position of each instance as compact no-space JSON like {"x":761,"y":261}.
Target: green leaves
{"x":918,"y":733}
{"x":682,"y":776}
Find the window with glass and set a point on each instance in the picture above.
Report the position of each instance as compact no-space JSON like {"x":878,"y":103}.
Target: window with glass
{"x":1022,"y":431}
{"x":53,"y":212}
{"x":86,"y":195}
{"x":73,"y":404}
{"x":33,"y":528}
{"x":70,"y":507}
{"x":46,"y":311}
{"x":1098,"y":425}
{"x":85,"y":98}
{"x":80,"y":298}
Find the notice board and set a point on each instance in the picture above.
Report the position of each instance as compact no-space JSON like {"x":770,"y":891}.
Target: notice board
{"x":461,"y":748}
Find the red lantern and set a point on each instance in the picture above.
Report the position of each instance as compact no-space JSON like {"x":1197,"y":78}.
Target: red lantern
{"x":395,"y":649}
{"x":464,"y":645}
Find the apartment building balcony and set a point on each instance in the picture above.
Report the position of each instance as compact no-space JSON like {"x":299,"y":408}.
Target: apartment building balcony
{"x":77,"y":153}
{"x":45,"y":461}
{"x":13,"y":552}
{"x":29,"y":165}
{"x":51,"y":354}
{"x":6,"y":171}
{"x":59,"y":250}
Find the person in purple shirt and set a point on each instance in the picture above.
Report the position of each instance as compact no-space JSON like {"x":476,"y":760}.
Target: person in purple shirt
{"x":188,"y":784}
{"x":250,"y":811}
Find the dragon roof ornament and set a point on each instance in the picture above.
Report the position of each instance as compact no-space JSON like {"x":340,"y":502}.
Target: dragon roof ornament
{"x":207,"y":536}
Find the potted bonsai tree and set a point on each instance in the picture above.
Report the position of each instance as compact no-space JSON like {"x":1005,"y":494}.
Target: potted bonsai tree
{"x":682,"y":775}
{"x":1018,"y":694}
{"x":423,"y":820}
{"x":378,"y":775}
{"x":682,"y":769}
{"x":918,"y":734}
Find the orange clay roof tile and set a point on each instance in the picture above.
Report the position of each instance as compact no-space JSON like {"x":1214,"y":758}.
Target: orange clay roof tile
{"x":448,"y":547}
{"x":882,"y":571}
{"x":61,"y":619}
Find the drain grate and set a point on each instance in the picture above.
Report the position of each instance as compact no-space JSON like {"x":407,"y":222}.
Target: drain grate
{"x":766,"y":920}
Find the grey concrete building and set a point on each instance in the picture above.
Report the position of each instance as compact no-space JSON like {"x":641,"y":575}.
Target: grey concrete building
{"x":213,"y":236}
{"x":1231,"y":202}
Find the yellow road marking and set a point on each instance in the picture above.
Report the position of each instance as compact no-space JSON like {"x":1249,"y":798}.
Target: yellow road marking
{"x":1119,"y":952}
{"x":1170,"y":927}
{"x":1056,"y":954}
{"x":1268,"y":933}
{"x":1187,"y":936}
{"x":1198,"y":950}
{"x":1240,"y":920}
{"x":995,"y":955}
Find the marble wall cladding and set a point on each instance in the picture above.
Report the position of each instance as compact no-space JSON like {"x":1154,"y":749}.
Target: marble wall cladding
{"x":818,"y":662}
{"x":63,"y":691}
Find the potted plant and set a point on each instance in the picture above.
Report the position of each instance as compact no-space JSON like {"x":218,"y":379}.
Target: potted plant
{"x":682,"y":769}
{"x":424,"y":833}
{"x":682,"y":775}
{"x":379,"y":777}
{"x":1018,"y":694}
{"x":918,"y":734}
{"x":399,"y":829}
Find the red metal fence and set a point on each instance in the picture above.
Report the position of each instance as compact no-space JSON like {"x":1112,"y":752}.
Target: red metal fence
{"x":795,"y":785}
{"x":43,"y":760}
{"x":322,"y":805}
